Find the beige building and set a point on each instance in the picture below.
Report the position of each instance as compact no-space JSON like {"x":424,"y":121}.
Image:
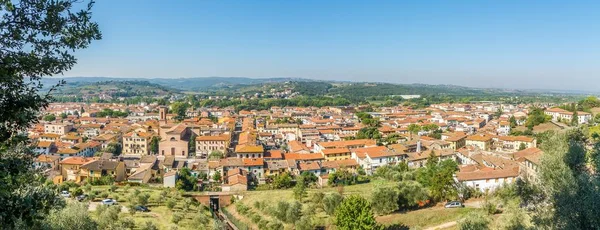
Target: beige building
{"x":206,"y":144}
{"x":60,"y":129}
{"x":481,"y":141}
{"x":137,"y":143}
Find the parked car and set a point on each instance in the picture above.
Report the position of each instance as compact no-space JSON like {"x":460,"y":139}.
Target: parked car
{"x":65,"y":194}
{"x":81,"y":197}
{"x":454,"y":204}
{"x":109,"y":202}
{"x":141,"y":208}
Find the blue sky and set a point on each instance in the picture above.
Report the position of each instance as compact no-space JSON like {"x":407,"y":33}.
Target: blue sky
{"x":505,"y":44}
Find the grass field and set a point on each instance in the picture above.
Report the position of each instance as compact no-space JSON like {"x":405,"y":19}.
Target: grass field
{"x":423,"y":218}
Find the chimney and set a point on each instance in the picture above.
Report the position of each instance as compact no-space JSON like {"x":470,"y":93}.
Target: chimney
{"x":419,"y":146}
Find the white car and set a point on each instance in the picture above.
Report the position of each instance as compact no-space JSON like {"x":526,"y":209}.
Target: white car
{"x":454,"y":204}
{"x":109,"y":202}
{"x":65,"y":194}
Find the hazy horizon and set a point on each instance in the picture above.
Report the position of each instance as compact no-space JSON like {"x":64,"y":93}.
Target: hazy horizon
{"x":508,"y":44}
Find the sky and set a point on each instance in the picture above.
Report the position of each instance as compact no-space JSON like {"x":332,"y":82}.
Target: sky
{"x":499,"y":44}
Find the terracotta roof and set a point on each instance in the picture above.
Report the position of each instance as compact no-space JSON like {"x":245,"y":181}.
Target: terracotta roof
{"x":479,"y":137}
{"x":309,"y":166}
{"x":44,"y":144}
{"x":341,"y":144}
{"x":253,"y":162}
{"x":526,"y":152}
{"x":100,"y":164}
{"x":274,"y":154}
{"x":335,"y":151}
{"x":249,"y":149}
{"x":488,"y":174}
{"x":339,"y":163}
{"x":300,"y":156}
{"x":76,"y":160}
{"x":47,"y":158}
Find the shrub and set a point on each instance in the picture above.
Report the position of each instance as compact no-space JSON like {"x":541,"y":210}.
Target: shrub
{"x":474,"y":221}
{"x":176,"y":217}
{"x":104,"y":195}
{"x":331,"y":202}
{"x":241,"y":208}
{"x":171,"y":203}
{"x":293,"y":212}
{"x":384,"y":200}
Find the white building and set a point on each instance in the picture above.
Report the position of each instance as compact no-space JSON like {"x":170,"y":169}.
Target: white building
{"x":487,"y":179}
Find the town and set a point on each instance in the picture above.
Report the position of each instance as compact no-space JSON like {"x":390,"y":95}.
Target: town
{"x":229,"y":152}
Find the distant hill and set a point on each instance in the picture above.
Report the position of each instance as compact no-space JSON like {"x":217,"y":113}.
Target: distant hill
{"x":111,"y":89}
{"x":353,"y":91}
{"x":184,"y":84}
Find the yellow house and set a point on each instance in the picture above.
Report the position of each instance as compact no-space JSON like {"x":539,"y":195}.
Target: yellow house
{"x":481,"y":141}
{"x":336,"y":154}
{"x":102,"y":167}
{"x":71,"y":167}
{"x":457,"y":141}
{"x":276,"y":167}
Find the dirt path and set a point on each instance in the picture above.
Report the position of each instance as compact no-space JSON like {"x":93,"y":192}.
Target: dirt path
{"x":444,"y":225}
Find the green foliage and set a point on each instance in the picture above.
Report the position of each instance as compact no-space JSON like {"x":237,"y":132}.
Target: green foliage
{"x":217,"y":176}
{"x":103,"y":180}
{"x":384,"y":200}
{"x":331,"y":201}
{"x":112,"y":113}
{"x":154,"y":144}
{"x":216,"y":154}
{"x":115,"y":148}
{"x":342,"y":177}
{"x":368,"y":133}
{"x":186,"y":181}
{"x":192,"y":143}
{"x":355,"y":213}
{"x":171,"y":203}
{"x":414,"y":128}
{"x":299,"y":191}
{"x":176,"y":217}
{"x":73,"y":216}
{"x":392,"y":172}
{"x":37,"y":39}
{"x":568,"y":183}
{"x":49,"y":117}
{"x":180,"y":109}
{"x":474,"y":221}
{"x":148,"y":225}
{"x":108,"y":217}
{"x":536,"y":116}
{"x":438,"y":178}
{"x":305,"y":223}
{"x":282,"y":181}
{"x":410,"y":193}
{"x":294,"y":212}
